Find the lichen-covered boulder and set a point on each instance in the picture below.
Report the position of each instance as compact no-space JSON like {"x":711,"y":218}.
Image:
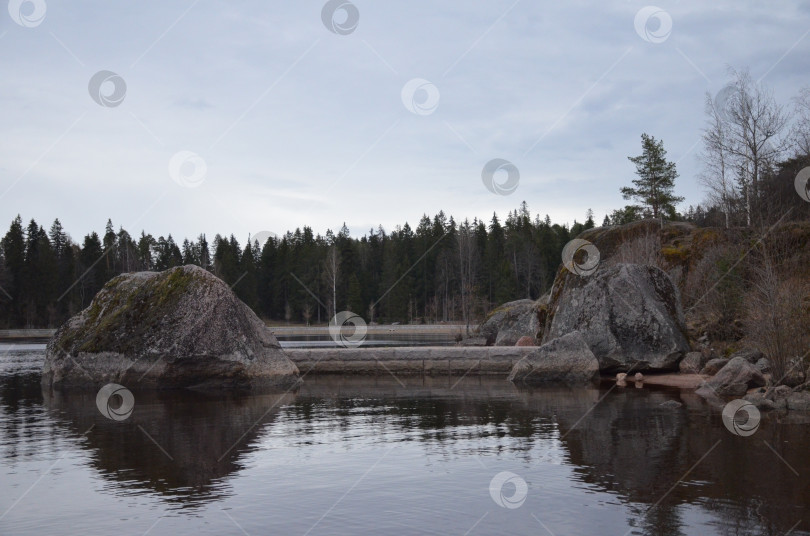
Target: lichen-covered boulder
{"x":629,"y":314}
{"x":183,"y":327}
{"x":566,"y":360}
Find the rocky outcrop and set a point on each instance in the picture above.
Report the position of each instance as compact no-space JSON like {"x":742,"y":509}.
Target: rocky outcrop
{"x":183,"y":327}
{"x":566,"y":360}
{"x":630,"y":315}
{"x":734,"y":379}
{"x":505,"y":325}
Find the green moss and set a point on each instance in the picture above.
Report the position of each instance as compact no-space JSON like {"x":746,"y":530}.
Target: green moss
{"x":675,"y":254}
{"x":127,"y":307}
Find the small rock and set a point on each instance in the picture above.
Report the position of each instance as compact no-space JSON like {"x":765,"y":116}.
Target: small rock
{"x":639,"y":377}
{"x":794,"y":376}
{"x":752,"y":355}
{"x":778,"y":395}
{"x":692,"y":363}
{"x":779,"y":392}
{"x":671,"y":404}
{"x":526,"y":341}
{"x":763,"y":364}
{"x":620,"y":377}
{"x":713,"y":366}
{"x":760,"y":401}
{"x":799,"y":401}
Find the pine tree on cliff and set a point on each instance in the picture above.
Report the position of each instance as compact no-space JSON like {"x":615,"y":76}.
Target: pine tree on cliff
{"x":656,"y":179}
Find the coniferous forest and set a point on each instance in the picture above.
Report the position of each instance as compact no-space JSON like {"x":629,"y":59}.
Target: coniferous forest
{"x":442,"y":270}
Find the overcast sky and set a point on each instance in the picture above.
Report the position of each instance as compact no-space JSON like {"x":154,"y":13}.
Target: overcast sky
{"x":244,"y":116}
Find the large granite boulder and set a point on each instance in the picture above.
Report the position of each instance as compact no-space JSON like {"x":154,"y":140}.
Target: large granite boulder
{"x":505,"y":325}
{"x":629,"y":314}
{"x":566,"y":360}
{"x":183,"y":327}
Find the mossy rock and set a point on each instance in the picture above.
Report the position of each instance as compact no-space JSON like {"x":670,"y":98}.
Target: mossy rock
{"x":180,"y":327}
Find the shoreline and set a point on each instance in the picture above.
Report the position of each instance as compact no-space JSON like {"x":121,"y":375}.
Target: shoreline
{"x":430,"y":361}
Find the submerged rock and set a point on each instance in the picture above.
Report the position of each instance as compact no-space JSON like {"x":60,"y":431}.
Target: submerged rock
{"x":760,"y":401}
{"x":183,"y":327}
{"x":629,"y":314}
{"x":566,"y":360}
{"x":799,"y":401}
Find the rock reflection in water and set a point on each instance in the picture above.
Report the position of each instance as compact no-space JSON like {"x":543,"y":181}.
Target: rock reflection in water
{"x":178,"y":443}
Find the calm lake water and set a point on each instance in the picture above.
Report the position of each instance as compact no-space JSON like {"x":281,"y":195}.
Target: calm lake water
{"x":369,"y":456}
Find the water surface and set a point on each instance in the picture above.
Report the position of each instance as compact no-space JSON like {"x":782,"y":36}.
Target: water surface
{"x":391,"y":456}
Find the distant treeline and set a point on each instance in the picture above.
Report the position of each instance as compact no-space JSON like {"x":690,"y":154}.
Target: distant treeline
{"x":442,"y":270}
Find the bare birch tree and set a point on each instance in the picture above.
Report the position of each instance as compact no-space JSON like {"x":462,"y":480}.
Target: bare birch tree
{"x":717,"y":160}
{"x":753,"y":123}
{"x":801,"y":134}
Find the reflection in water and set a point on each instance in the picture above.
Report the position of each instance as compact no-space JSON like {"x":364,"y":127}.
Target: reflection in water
{"x":346,"y":455}
{"x":179,"y":444}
